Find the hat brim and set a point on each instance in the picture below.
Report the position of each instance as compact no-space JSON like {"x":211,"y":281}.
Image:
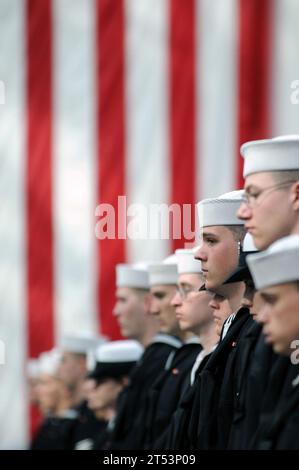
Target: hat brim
{"x":111,"y":370}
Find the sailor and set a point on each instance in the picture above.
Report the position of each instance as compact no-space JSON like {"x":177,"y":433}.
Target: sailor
{"x":222,"y":236}
{"x":72,"y":370}
{"x":194,"y":316}
{"x":276,"y":275}
{"x":270,"y":208}
{"x":114,"y":361}
{"x":270,"y":212}
{"x":55,"y":400}
{"x":253,"y":362}
{"x":133,"y":311}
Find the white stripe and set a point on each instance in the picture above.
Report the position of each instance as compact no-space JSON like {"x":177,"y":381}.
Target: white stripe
{"x":13,"y":409}
{"x":147,"y":178}
{"x":285,"y":67}
{"x":216,"y":96}
{"x":74,"y":165}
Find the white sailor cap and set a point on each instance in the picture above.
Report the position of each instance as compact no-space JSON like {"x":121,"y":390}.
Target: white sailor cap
{"x":277,"y":154}
{"x":187,"y":264}
{"x":48,"y":362}
{"x":164,"y":273}
{"x":80,"y":343}
{"x":116,"y":358}
{"x":276,"y":265}
{"x":220,"y":210}
{"x":132,"y":275}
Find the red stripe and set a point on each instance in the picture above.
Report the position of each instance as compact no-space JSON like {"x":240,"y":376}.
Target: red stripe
{"x":35,"y":419}
{"x":254,"y":73}
{"x":111,"y":145}
{"x":182,"y":103}
{"x":39,"y":177}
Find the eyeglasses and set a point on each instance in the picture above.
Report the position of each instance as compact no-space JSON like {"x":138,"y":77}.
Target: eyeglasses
{"x":184,"y":291}
{"x":252,"y":199}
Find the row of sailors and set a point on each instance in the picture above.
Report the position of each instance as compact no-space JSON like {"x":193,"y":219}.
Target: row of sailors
{"x":219,"y":374}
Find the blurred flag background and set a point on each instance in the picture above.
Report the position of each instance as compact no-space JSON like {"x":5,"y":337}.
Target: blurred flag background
{"x":100,"y":98}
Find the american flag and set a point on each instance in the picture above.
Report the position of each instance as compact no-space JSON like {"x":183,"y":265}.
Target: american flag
{"x":150,"y":99}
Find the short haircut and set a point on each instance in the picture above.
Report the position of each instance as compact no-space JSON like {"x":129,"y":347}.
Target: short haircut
{"x":140,"y":292}
{"x":79,"y":355}
{"x":285,"y":175}
{"x":238,"y":232}
{"x":250,"y":285}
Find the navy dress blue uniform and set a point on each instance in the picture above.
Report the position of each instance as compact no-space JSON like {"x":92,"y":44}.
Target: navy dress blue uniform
{"x":56,"y":433}
{"x":253,"y":368}
{"x":103,"y":440}
{"x":165,"y":394}
{"x":129,"y":427}
{"x":87,"y":428}
{"x":286,"y":422}
{"x":208,"y":430}
{"x":278,"y":427}
{"x":176,"y":437}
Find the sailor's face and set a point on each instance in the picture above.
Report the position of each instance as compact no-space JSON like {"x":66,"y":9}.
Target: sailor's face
{"x":218,"y":253}
{"x":268,"y":215}
{"x":252,"y":300}
{"x":280,"y":316}
{"x":104,"y":395}
{"x":191,"y":306}
{"x":221,"y":310}
{"x":48,"y":391}
{"x":71,"y":368}
{"x":129,"y":311}
{"x":161,"y":306}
